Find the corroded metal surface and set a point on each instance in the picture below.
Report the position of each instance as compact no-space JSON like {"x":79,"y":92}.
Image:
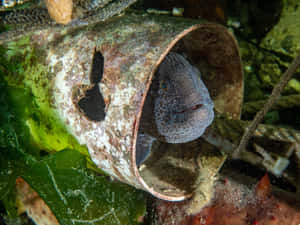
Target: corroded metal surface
{"x":132,"y":47}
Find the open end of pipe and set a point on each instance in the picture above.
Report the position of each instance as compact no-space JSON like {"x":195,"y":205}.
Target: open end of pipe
{"x":169,"y":171}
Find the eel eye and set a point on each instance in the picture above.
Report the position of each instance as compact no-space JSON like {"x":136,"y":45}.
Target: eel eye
{"x":164,"y":85}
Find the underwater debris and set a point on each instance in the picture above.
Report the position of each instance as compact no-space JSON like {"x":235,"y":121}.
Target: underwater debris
{"x":225,"y":135}
{"x":60,"y":10}
{"x":36,"y":17}
{"x":235,"y":203}
{"x":29,"y":201}
{"x":272,"y":99}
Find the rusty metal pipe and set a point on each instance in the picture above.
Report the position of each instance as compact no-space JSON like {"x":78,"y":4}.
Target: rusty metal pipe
{"x":103,"y":112}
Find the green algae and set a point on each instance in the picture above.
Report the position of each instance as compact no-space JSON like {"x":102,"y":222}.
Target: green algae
{"x":263,"y":69}
{"x":251,"y":57}
{"x":266,"y":52}
{"x":284,"y":37}
{"x":74,"y":193}
{"x":28,"y":124}
{"x":283,"y":40}
{"x":88,"y":199}
{"x":30,"y":81}
{"x":269,"y":73}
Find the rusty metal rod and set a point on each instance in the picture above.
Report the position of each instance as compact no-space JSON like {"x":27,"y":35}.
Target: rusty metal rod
{"x":272,"y":99}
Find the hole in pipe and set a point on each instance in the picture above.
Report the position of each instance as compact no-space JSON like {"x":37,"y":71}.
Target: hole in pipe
{"x":92,"y":104}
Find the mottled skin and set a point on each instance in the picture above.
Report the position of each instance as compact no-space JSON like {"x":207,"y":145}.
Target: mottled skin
{"x":178,"y":107}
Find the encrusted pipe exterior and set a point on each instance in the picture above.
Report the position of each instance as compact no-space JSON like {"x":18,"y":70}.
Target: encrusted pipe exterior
{"x":130,"y":48}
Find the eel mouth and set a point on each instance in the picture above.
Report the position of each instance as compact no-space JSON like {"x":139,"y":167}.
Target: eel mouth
{"x":189,"y":109}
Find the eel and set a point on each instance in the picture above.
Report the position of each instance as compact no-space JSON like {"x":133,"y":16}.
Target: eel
{"x":178,"y":107}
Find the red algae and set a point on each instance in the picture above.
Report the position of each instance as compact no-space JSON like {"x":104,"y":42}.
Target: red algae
{"x":237,"y":204}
